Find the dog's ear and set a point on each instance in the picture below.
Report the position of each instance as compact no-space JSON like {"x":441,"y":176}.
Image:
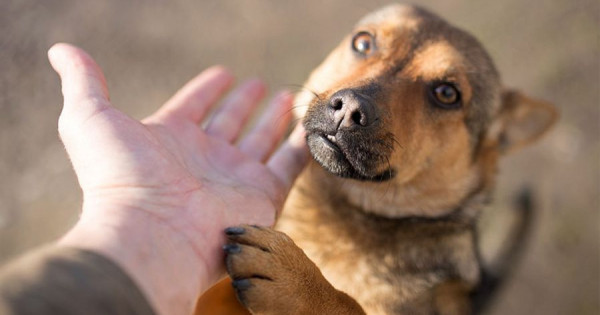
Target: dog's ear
{"x":521,"y":121}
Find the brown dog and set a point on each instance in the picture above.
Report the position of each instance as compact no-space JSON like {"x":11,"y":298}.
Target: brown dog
{"x":406,"y":124}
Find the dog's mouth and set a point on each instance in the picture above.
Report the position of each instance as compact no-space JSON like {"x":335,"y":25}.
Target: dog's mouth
{"x":331,"y":142}
{"x":354,"y":159}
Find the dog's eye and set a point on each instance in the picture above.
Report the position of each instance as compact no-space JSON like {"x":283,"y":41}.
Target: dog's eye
{"x":446,"y":95}
{"x":363,"y":43}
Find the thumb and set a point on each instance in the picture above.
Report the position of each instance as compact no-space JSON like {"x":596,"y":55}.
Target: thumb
{"x":83,"y":85}
{"x":85,"y":97}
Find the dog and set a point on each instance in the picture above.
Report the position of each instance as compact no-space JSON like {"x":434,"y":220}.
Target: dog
{"x":406,"y":122}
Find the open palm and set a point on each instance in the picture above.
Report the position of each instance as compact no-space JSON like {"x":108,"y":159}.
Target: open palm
{"x":190,"y":181}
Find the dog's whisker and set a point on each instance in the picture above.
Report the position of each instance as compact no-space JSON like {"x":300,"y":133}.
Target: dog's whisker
{"x":301,"y":87}
{"x":299,"y":106}
{"x":390,"y":174}
{"x":296,"y":120}
{"x":394,"y":140}
{"x":293,"y":86}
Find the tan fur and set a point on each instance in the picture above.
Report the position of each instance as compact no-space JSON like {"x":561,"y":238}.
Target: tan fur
{"x":406,"y":245}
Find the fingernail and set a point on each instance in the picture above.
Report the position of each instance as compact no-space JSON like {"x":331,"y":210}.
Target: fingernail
{"x":232,"y":248}
{"x":235,"y":230}
{"x":241,"y":284}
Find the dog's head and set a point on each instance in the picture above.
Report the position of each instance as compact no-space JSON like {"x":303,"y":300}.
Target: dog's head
{"x":409,"y":113}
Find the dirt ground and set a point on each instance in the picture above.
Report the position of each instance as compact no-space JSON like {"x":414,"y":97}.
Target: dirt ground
{"x":148,"y":49}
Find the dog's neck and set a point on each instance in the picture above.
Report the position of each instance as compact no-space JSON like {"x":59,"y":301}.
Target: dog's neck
{"x":418,"y":198}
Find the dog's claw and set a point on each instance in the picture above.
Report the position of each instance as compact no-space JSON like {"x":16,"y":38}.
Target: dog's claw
{"x":241,"y":284}
{"x":232,"y":248}
{"x":235,"y":230}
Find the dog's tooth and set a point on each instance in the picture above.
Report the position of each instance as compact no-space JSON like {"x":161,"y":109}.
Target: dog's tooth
{"x":331,"y":138}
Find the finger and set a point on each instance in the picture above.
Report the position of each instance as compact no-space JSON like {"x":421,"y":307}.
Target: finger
{"x":83,"y":84}
{"x":270,"y":129}
{"x":230,"y":118}
{"x":194,"y":100}
{"x":87,"y":122}
{"x":289,"y":160}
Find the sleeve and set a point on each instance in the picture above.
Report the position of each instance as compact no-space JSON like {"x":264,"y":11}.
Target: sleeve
{"x":56,"y":280}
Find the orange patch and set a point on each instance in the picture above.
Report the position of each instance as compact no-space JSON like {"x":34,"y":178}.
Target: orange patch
{"x":441,"y":61}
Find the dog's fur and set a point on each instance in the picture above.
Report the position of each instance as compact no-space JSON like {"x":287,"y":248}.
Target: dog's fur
{"x":387,"y":210}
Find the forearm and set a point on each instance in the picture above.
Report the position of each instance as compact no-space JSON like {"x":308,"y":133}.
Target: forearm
{"x":62,"y":280}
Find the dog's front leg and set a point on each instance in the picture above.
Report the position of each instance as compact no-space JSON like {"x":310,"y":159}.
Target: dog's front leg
{"x":271,"y":275}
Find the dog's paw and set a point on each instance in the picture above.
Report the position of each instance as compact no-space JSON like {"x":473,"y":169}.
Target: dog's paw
{"x":271,"y":275}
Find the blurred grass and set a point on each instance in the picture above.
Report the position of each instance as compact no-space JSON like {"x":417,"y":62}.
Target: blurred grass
{"x":148,"y":49}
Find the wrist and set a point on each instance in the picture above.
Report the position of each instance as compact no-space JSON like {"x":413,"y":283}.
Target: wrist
{"x":158,"y":258}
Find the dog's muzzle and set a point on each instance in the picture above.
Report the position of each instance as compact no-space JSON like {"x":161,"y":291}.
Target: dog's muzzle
{"x":346,"y":136}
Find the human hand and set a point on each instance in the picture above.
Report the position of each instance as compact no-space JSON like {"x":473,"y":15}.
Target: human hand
{"x":158,"y":193}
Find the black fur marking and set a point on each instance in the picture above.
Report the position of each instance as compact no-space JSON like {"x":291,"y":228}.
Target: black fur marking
{"x":492,"y":281}
{"x":379,"y":178}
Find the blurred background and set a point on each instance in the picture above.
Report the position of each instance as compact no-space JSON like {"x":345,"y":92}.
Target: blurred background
{"x":148,"y":49}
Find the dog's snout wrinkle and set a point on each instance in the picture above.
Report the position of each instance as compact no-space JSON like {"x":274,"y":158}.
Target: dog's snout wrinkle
{"x":350,"y":109}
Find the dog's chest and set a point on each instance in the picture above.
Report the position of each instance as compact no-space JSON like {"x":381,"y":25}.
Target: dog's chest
{"x":388,"y":269}
{"x":350,"y":271}
{"x":381,"y":273}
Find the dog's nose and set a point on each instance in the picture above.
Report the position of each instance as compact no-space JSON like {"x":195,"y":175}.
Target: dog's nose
{"x":351,"y":109}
